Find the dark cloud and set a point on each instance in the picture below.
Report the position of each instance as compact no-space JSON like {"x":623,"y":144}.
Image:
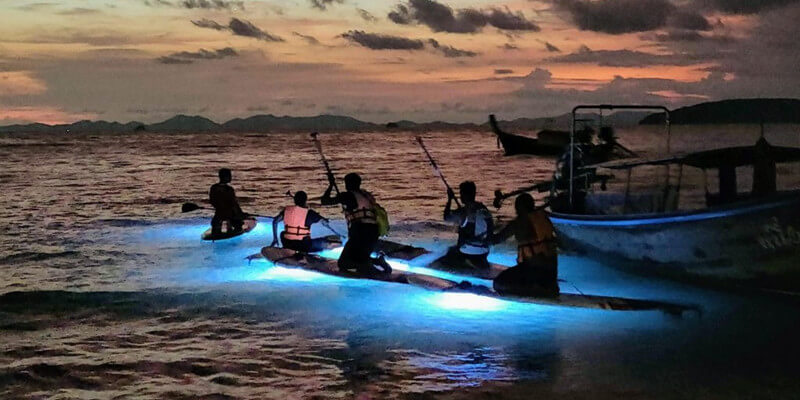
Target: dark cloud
{"x":207,"y":23}
{"x":551,"y":48}
{"x":212,"y":4}
{"x":690,"y":21}
{"x":80,"y":11}
{"x":239,"y":27}
{"x":441,"y":18}
{"x":366,"y":15}
{"x":450,"y":51}
{"x":188,"y":57}
{"x":308,"y":38}
{"x":503,"y":71}
{"x":377,"y":41}
{"x":688,"y":36}
{"x":618,"y":16}
{"x":625,"y":58}
{"x":323,"y":4}
{"x":745,"y":6}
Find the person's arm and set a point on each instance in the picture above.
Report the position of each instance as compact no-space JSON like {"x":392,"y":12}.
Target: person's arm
{"x":237,"y":210}
{"x":275,"y":221}
{"x":504,"y":233}
{"x":449,"y":214}
{"x":327,"y":199}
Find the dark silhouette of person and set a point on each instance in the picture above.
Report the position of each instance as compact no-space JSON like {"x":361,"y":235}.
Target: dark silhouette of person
{"x":475,"y":226}
{"x":362,"y":227}
{"x":536,"y":272}
{"x":226,"y":206}
{"x":298,"y":219}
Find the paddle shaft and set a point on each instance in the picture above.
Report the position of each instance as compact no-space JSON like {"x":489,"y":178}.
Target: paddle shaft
{"x":436,"y":168}
{"x":318,"y":146}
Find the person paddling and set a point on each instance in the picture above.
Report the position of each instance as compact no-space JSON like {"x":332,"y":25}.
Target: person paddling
{"x":298,"y":219}
{"x":226,"y":206}
{"x":475,"y":226}
{"x":536,"y":272}
{"x":362,"y":227}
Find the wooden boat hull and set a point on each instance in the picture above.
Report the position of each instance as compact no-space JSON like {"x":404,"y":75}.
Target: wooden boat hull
{"x":753,"y":243}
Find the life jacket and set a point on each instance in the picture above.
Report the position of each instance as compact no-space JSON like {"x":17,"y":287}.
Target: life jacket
{"x":364,"y":213}
{"x":473,"y":233}
{"x":540,"y":242}
{"x":294,"y":220}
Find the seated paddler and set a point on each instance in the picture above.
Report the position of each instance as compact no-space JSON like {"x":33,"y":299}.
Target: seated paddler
{"x":536,"y":272}
{"x":226,"y":206}
{"x":297,"y":220}
{"x":475,"y":227}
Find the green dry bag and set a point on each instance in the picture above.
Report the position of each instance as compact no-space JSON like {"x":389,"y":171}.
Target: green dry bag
{"x":383,"y":220}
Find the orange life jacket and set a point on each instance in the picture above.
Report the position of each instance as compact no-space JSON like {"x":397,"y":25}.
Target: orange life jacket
{"x":364,"y":212}
{"x":542,"y":242}
{"x":294,"y":221}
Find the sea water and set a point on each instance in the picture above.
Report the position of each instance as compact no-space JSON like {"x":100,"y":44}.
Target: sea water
{"x":107,"y":291}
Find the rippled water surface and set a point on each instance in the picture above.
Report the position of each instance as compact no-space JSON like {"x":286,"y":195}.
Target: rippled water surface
{"x":106,"y":290}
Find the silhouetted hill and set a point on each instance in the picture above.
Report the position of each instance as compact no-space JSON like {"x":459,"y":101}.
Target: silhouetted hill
{"x":271,"y":123}
{"x":737,"y":111}
{"x":185,"y":123}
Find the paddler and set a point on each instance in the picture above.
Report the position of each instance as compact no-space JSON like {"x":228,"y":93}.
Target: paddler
{"x":536,"y":272}
{"x":226,"y":206}
{"x":362,"y":227}
{"x":297,"y":220}
{"x":475,"y":226}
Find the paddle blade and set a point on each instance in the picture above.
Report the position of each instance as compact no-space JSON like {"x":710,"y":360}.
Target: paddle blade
{"x":189,"y":207}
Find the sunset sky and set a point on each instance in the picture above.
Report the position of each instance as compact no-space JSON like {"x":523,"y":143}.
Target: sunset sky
{"x":454,"y":60}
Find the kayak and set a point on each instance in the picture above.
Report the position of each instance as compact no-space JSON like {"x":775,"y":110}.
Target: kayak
{"x":407,"y":253}
{"x":227,"y":233}
{"x":328,"y":266}
{"x":312,"y":262}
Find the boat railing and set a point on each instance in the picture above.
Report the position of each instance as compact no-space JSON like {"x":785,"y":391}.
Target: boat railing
{"x":601,"y":108}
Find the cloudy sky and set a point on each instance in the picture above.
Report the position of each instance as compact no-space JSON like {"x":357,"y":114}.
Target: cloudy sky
{"x":454,"y":60}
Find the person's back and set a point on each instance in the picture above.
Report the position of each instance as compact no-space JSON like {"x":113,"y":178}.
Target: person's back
{"x":536,"y":272}
{"x":298,"y":219}
{"x":362,"y":227}
{"x":226,"y":207}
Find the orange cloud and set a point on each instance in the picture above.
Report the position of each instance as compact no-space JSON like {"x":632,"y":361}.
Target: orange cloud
{"x":19,"y":83}
{"x":45,"y":115}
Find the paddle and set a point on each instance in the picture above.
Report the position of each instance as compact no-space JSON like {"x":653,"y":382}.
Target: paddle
{"x":189,"y":207}
{"x":318,"y":146}
{"x":436,"y":169}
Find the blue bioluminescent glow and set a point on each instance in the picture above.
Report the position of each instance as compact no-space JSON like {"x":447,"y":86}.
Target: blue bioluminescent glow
{"x":467,"y":301}
{"x":290,"y":274}
{"x":635,"y":220}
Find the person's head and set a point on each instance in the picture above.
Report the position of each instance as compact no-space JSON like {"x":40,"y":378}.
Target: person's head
{"x":300,"y":198}
{"x":352,"y":181}
{"x":524,"y":204}
{"x":467,"y":191}
{"x":225,"y":175}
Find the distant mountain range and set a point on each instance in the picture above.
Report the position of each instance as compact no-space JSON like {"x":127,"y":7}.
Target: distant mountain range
{"x":727,"y":111}
{"x":736,"y":111}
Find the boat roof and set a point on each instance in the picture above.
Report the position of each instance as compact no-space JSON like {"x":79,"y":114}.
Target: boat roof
{"x":717,"y":158}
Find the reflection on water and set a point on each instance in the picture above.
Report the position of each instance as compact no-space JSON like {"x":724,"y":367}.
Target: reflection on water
{"x":106,"y":290}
